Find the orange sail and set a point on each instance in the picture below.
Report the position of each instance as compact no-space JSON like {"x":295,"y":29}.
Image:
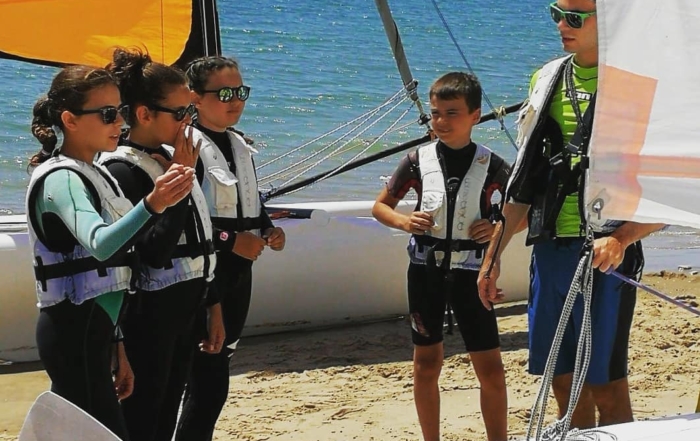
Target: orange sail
{"x":60,"y":32}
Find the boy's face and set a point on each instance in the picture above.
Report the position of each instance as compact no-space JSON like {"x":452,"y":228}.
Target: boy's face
{"x":453,"y":121}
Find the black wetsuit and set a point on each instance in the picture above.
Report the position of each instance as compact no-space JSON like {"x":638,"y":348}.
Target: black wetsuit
{"x":158,"y":325}
{"x":427,"y":294}
{"x":207,"y":388}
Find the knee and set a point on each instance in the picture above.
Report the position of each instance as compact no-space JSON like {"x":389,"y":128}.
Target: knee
{"x":492,"y":375}
{"x":427,"y":368}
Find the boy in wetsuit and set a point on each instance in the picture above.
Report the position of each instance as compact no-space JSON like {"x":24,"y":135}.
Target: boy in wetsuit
{"x":454,"y":179}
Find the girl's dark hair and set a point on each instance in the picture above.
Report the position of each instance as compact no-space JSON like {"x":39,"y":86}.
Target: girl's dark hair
{"x":199,"y":70}
{"x":141,"y":80}
{"x":455,"y":85}
{"x":69,"y":91}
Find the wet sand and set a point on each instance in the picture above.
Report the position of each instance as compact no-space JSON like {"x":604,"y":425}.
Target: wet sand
{"x":355,"y":383}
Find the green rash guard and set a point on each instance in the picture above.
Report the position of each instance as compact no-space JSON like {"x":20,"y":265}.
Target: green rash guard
{"x":64,"y":194}
{"x":562,"y":111}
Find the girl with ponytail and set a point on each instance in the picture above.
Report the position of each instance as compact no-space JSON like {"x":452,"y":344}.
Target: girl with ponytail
{"x":81,"y":229}
{"x":176,"y":253}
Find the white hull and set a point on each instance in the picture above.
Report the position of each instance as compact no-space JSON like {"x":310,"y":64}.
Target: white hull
{"x":335,"y":269}
{"x":673,"y":428}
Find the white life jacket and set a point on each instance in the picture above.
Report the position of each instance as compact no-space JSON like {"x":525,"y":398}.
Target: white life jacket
{"x":224,"y":190}
{"x":77,"y":275}
{"x":184,"y":266}
{"x":466,"y":254}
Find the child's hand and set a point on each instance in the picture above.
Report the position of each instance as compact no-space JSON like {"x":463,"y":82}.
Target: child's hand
{"x":248,"y":245}
{"x":418,"y":223}
{"x":215,"y":331}
{"x":275,"y":238}
{"x":481,"y":230}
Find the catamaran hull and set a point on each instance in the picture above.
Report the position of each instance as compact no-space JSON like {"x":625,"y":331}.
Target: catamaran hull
{"x":339,"y":267}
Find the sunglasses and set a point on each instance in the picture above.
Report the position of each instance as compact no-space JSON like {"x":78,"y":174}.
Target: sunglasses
{"x":109,"y":114}
{"x":226,"y":94}
{"x":179,"y":114}
{"x":573,"y":19}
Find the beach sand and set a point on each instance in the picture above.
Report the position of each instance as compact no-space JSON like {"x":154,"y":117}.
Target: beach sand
{"x":355,"y":383}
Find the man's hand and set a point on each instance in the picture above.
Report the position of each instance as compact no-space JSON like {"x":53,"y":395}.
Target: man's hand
{"x":488,"y":291}
{"x":608,"y":253}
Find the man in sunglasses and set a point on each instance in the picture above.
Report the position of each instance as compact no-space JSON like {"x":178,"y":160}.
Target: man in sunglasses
{"x":554,"y":129}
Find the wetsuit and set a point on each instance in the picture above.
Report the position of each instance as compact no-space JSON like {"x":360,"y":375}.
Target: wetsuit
{"x":158,"y":324}
{"x":207,"y":388}
{"x":427,"y":295}
{"x":76,"y":342}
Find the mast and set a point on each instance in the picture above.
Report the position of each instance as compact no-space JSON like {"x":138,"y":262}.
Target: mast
{"x":392,"y":33}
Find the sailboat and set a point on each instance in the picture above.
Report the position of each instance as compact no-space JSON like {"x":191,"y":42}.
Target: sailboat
{"x":315,"y":282}
{"x":643,"y":168}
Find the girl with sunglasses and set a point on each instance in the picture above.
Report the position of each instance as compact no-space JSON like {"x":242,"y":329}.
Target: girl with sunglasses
{"x":241,"y":229}
{"x":177,"y":255}
{"x":81,"y":228}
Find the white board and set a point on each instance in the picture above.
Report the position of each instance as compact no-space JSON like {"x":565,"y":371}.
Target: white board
{"x":53,"y":418}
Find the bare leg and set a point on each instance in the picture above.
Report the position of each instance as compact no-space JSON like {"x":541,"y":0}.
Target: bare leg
{"x":584,"y":413}
{"x":494,"y":397}
{"x":427,"y":364}
{"x":613,"y":402}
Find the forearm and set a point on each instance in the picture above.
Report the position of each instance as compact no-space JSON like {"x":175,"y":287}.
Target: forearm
{"x":386,"y":214}
{"x":630,"y":232}
{"x":70,"y":201}
{"x":514,"y":215}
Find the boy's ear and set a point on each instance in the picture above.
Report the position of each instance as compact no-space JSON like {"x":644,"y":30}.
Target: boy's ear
{"x":476,"y":115}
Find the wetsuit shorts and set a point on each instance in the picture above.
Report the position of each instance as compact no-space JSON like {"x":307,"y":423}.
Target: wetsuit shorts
{"x":427,"y":299}
{"x":552,"y":270}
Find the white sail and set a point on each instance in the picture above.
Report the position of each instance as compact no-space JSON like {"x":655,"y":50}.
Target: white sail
{"x":645,"y":147}
{"x":53,"y":418}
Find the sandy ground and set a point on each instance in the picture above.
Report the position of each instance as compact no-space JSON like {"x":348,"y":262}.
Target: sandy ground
{"x":355,"y":383}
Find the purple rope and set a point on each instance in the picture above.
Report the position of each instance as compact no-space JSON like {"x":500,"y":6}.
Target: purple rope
{"x":655,"y":292}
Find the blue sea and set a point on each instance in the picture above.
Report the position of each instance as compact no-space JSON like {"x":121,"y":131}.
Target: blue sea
{"x":314,"y":65}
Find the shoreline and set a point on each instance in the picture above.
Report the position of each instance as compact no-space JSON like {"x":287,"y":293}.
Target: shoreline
{"x":355,"y":382}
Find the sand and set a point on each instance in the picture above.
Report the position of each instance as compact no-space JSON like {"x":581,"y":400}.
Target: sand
{"x":355,"y":383}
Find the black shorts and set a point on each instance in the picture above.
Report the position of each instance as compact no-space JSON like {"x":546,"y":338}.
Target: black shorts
{"x":427,"y":304}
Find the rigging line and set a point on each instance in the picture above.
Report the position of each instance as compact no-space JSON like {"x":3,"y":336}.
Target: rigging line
{"x":342,"y":167}
{"x":582,"y":284}
{"x":280,"y":174}
{"x":498,"y":112}
{"x":353,"y":138}
{"x":369,"y":142}
{"x":380,"y":137}
{"x":655,"y":292}
{"x":372,"y":111}
{"x":347,"y":142}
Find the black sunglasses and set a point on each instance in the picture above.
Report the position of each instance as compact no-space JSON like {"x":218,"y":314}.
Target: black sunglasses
{"x":109,"y":114}
{"x":179,"y":114}
{"x":226,"y":94}
{"x":574,"y":19}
